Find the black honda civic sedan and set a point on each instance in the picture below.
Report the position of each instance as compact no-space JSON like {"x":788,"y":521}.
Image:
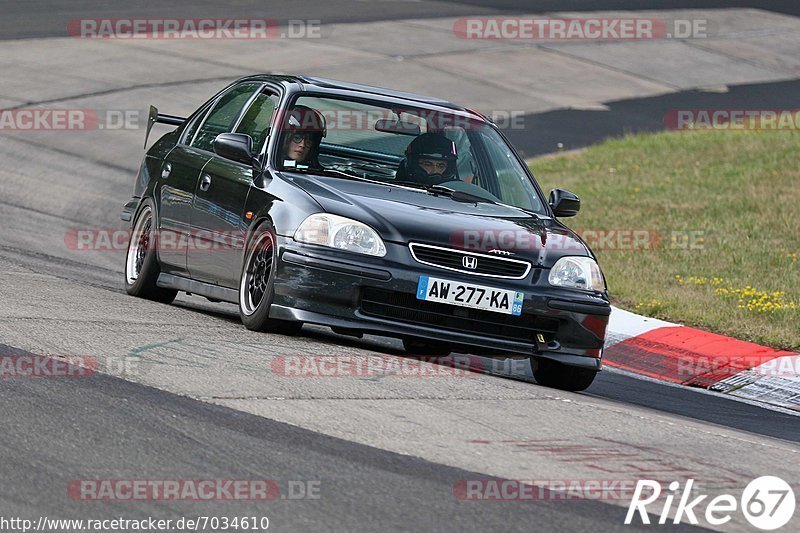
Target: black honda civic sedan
{"x":367,"y":210}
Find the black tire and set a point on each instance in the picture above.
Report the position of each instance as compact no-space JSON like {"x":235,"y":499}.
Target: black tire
{"x":257,"y":284}
{"x":569,"y":378}
{"x":416,"y":346}
{"x":141,"y":264}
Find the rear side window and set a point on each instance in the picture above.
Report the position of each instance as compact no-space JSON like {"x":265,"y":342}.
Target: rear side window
{"x":223,"y":115}
{"x":188,"y":135}
{"x":256,"y":120}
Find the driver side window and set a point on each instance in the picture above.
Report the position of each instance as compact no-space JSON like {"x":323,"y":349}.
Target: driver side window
{"x":223,"y":115}
{"x":257,"y":119}
{"x":466,"y":170}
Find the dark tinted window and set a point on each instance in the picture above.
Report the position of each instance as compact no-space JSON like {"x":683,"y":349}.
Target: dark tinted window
{"x":359,"y":144}
{"x":223,"y":115}
{"x":188,"y":135}
{"x":256,"y":120}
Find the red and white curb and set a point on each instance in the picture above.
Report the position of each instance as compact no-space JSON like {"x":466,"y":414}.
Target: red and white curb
{"x":696,"y":358}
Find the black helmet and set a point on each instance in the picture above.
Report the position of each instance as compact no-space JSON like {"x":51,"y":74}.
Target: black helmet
{"x":302,"y":119}
{"x":431,"y":146}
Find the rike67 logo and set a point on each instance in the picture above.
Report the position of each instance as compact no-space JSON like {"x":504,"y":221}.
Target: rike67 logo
{"x":767,"y":503}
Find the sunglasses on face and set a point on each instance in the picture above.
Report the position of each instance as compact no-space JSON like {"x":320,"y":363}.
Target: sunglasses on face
{"x":298,"y":138}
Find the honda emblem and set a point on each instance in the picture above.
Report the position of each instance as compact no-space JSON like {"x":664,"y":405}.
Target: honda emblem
{"x":470,"y":262}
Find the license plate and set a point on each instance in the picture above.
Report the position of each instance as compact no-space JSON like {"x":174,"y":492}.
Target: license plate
{"x":469,"y":295}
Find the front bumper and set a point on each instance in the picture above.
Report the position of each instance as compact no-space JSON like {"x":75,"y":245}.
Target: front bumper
{"x":378,"y":295}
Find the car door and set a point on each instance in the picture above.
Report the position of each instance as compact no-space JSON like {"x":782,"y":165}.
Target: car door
{"x":219,"y":201}
{"x":181,"y":171}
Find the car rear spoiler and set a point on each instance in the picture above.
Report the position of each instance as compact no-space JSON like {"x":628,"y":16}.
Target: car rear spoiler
{"x":154,"y":116}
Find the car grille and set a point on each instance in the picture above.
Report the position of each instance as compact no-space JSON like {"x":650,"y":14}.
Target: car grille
{"x":484,"y":264}
{"x":407,"y":308}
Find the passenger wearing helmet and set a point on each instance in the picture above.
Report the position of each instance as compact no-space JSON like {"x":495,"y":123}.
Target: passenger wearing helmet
{"x":305,"y":128}
{"x":430,"y":160}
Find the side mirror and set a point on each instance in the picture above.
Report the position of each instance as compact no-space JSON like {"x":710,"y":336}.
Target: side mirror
{"x":564,"y":203}
{"x":234,"y":146}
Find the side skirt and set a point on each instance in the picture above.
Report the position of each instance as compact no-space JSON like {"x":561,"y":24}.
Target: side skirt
{"x":170,"y":281}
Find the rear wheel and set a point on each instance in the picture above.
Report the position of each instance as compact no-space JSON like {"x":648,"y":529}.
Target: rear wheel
{"x":141,"y":263}
{"x":558,"y":376}
{"x":257,"y":283}
{"x":416,"y":346}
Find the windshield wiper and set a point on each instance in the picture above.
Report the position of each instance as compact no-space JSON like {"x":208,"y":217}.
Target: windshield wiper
{"x":343,"y":174}
{"x":334,"y":172}
{"x":412,"y":184}
{"x":437,"y":190}
{"x":322,"y":170}
{"x":441,"y":190}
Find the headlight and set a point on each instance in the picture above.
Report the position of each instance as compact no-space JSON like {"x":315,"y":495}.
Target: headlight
{"x":340,"y":232}
{"x":578,"y":273}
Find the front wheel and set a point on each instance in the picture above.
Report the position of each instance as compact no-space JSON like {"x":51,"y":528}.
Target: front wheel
{"x":257,"y":284}
{"x":559,"y":376}
{"x":141,"y":263}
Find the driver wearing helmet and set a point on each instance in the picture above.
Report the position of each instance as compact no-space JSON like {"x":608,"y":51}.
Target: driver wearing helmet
{"x":305,"y":128}
{"x":430,"y":160}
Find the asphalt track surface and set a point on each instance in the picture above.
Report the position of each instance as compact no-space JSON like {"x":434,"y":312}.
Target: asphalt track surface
{"x":45,"y":18}
{"x":570,"y":129}
{"x":101,"y":427}
{"x":164,"y":436}
{"x":779,"y":6}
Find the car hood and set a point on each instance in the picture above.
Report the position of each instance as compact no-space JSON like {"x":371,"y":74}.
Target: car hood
{"x":403,"y":215}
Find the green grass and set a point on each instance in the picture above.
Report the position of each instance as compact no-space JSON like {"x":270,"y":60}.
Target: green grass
{"x":738,"y":191}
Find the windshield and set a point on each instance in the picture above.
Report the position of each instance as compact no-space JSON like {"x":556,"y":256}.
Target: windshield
{"x":411,"y":147}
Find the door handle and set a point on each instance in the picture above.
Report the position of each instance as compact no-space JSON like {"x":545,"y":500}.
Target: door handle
{"x":205,"y":182}
{"x":166,"y":171}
